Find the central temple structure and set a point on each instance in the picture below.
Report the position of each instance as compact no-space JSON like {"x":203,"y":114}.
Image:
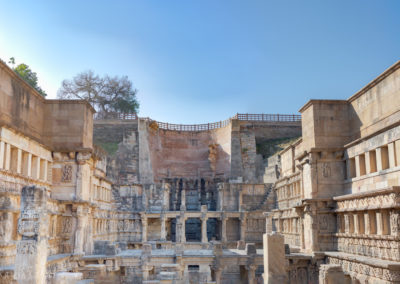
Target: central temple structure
{"x":257,"y":198}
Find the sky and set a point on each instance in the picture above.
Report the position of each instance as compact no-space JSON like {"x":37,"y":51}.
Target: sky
{"x":204,"y":61}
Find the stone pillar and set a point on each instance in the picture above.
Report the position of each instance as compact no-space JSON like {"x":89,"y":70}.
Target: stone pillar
{"x":367,"y":163}
{"x":378,"y":159}
{"x":204,"y":218}
{"x":163,"y":229}
{"x":19,"y":161}
{"x":204,"y":238}
{"x":274,"y":259}
{"x":240,"y":201}
{"x":220,"y":205}
{"x":33,"y":224}
{"x":183,"y":200}
{"x":81,"y":238}
{"x":7,"y":162}
{"x":223,"y":229}
{"x":243,"y":227}
{"x":144,"y":228}
{"x":166,"y":187}
{"x":392,"y":155}
{"x":218,"y":274}
{"x":251,"y":274}
{"x":358,"y":166}
{"x":183,"y":229}
{"x":2,"y":154}
{"x":29,"y":166}
{"x":310,"y":228}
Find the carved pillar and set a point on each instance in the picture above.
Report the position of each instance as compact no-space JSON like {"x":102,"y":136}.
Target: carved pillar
{"x":395,"y":222}
{"x":163,"y":230}
{"x":310,"y":228}
{"x":251,"y":274}
{"x":144,"y":228}
{"x":82,"y":214}
{"x":220,"y":188}
{"x":33,"y":224}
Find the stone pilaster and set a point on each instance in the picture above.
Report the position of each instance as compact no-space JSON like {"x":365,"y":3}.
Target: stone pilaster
{"x":163,"y":227}
{"x":33,"y":224}
{"x":144,"y":228}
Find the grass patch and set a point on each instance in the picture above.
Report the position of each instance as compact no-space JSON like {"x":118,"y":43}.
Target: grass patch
{"x":270,"y":147}
{"x":110,"y":147}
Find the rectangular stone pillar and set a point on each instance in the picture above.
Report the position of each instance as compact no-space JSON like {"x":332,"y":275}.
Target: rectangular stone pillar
{"x":223,"y":229}
{"x":7,"y":162}
{"x":183,"y":229}
{"x":144,"y":229}
{"x":2,"y":154}
{"x":243,"y":226}
{"x":358,"y":166}
{"x":29,"y":165}
{"x":163,"y":228}
{"x":274,"y":259}
{"x":31,"y":257}
{"x":19,"y":161}
{"x":204,"y":238}
{"x":392,"y":155}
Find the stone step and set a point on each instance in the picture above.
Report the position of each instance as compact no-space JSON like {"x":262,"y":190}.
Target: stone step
{"x":166,"y":275}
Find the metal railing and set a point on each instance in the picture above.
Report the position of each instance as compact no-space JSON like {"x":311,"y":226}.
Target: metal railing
{"x":204,"y":126}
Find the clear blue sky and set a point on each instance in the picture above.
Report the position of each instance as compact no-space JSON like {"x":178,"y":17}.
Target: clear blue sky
{"x":202,"y":61}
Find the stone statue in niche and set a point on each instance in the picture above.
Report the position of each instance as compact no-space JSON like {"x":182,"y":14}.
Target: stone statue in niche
{"x":326,"y":170}
{"x":66,"y":173}
{"x":67,"y":225}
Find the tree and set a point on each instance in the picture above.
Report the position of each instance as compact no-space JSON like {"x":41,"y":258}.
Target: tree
{"x":28,"y":75}
{"x":106,"y":94}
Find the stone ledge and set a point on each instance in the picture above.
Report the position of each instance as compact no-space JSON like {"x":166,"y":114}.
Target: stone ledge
{"x":388,"y":264}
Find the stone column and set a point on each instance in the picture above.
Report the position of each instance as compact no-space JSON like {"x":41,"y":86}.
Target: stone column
{"x":220,"y":188}
{"x":166,"y":187}
{"x":19,"y":161}
{"x":243,"y":227}
{"x":33,"y":224}
{"x":2,"y":154}
{"x":163,"y":229}
{"x":240,"y":201}
{"x":204,"y":238}
{"x":183,"y":200}
{"x":80,"y":232}
{"x":378,"y":159}
{"x":274,"y":259}
{"x":218,"y":274}
{"x":251,"y":274}
{"x":204,"y":218}
{"x":392,"y":155}
{"x":223,"y":229}
{"x":7,"y":162}
{"x":144,"y":228}
{"x":183,"y":229}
